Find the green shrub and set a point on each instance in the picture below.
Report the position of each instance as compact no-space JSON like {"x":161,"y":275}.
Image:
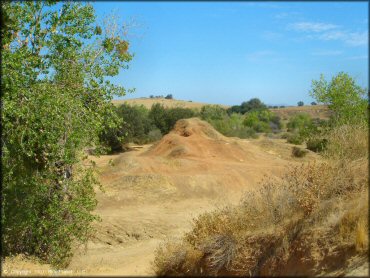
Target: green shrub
{"x":317,"y":144}
{"x":299,"y":122}
{"x":136,"y":123}
{"x":298,"y":152}
{"x":157,"y":115}
{"x":262,"y":121}
{"x":154,"y":135}
{"x":233,"y":126}
{"x":295,"y":138}
{"x":174,"y":114}
{"x":212,"y":112}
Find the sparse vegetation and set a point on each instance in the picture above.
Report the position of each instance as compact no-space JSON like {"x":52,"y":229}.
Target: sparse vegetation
{"x":268,"y":233}
{"x":298,"y":152}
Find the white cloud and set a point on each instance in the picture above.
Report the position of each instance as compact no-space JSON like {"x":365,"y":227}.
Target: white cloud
{"x":330,"y":32}
{"x":327,"y":53}
{"x":361,"y":57}
{"x":357,"y":39}
{"x":312,"y":26}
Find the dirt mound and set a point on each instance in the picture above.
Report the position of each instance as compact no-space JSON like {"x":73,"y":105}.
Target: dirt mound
{"x":194,"y":138}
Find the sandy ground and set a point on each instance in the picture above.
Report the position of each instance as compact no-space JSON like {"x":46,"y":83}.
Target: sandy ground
{"x":153,"y":192}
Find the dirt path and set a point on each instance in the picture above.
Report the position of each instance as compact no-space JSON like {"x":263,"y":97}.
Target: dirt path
{"x":153,"y":193}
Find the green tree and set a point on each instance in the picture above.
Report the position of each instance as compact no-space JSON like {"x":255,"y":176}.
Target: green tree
{"x":247,"y":106}
{"x":55,"y":101}
{"x":346,"y":99}
{"x":300,"y":103}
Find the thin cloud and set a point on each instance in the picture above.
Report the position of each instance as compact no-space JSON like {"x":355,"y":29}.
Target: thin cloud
{"x":327,"y":53}
{"x":361,"y":57}
{"x":330,"y":32}
{"x":312,"y":26}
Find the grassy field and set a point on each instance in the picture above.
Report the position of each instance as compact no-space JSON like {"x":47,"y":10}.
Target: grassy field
{"x":170,"y":103}
{"x":316,"y":111}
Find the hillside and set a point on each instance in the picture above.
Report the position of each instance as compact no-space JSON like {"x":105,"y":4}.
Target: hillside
{"x":316,"y":111}
{"x":148,"y":102}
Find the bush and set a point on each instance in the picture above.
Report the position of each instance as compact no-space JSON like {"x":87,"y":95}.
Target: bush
{"x":300,"y":103}
{"x":280,"y":222}
{"x":154,"y":135}
{"x":169,"y":96}
{"x":212,"y":112}
{"x":136,"y":123}
{"x":294,"y":138}
{"x":347,"y":142}
{"x":233,"y":126}
{"x":317,"y":144}
{"x":298,"y":152}
{"x":165,"y":118}
{"x":262,"y":121}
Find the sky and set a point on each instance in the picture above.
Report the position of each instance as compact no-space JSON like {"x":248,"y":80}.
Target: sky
{"x":230,"y":52}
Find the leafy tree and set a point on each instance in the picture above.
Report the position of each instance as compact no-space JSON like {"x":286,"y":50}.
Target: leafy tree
{"x":313,"y":103}
{"x":346,"y":99}
{"x":55,"y":102}
{"x":212,"y":112}
{"x":300,"y":103}
{"x":157,"y":115}
{"x":136,"y":123}
{"x":246,"y":106}
{"x":169,"y":96}
{"x":175,"y":114}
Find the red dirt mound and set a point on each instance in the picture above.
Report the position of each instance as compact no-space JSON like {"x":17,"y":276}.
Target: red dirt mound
{"x":194,"y":138}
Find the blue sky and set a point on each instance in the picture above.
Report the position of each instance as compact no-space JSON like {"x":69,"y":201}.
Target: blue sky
{"x":229,"y":52}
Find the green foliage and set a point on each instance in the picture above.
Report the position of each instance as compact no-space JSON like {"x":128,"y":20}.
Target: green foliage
{"x":56,"y":100}
{"x":165,"y":119}
{"x":262,"y":121}
{"x":232,"y":126}
{"x":212,"y":112}
{"x":251,"y":105}
{"x":346,"y":99}
{"x":169,"y":96}
{"x":295,"y":138}
{"x":157,"y":115}
{"x":300,"y":103}
{"x":136,"y":123}
{"x":317,"y":144}
{"x":299,"y":122}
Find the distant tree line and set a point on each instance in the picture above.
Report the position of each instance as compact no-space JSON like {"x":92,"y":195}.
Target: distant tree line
{"x":169,"y":96}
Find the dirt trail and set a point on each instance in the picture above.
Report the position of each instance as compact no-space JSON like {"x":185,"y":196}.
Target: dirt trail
{"x":154,"y":192}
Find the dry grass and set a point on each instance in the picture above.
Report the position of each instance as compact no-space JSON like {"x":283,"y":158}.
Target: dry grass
{"x":169,"y":103}
{"x":312,"y":221}
{"x":315,"y":111}
{"x":348,"y":142}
